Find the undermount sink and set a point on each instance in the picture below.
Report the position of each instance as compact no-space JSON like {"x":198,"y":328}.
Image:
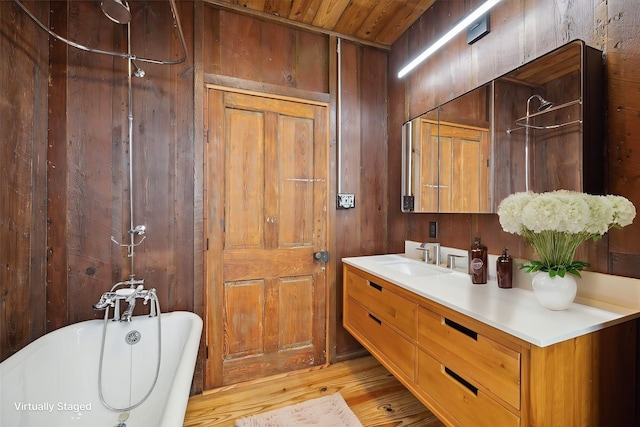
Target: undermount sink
{"x":413,"y":268}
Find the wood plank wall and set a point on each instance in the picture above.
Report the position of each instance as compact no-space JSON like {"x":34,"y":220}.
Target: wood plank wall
{"x":520,"y":32}
{"x":67,"y":169}
{"x":67,"y":242}
{"x":23,"y":122}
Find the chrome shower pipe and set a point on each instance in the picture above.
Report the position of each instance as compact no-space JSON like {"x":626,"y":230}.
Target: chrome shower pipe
{"x":132,"y":235}
{"x":128,"y":54}
{"x":544,"y":105}
{"x":526,"y":151}
{"x":134,"y":230}
{"x":339,"y":117}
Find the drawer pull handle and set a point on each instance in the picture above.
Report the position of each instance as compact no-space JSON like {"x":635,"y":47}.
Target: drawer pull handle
{"x":458,"y":327}
{"x":375,"y":285}
{"x":375,"y":319}
{"x":462,"y":381}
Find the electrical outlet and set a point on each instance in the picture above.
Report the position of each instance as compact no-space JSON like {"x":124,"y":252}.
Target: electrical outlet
{"x":433,"y":229}
{"x":346,"y":201}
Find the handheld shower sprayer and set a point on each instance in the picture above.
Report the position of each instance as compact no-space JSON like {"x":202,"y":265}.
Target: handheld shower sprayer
{"x":137,"y":72}
{"x":139,"y":230}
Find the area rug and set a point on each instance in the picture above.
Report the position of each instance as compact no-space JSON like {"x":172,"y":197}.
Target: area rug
{"x":324,"y":411}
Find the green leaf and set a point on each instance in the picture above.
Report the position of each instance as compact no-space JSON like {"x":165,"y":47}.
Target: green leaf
{"x":556,"y":270}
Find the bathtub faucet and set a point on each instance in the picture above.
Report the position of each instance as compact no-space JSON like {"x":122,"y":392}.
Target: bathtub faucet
{"x":128,"y":295}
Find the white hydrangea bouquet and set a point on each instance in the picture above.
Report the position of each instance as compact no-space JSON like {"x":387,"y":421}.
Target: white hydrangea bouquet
{"x":557,"y":222}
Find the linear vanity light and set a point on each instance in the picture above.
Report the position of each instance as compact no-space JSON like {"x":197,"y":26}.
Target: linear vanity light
{"x":484,"y":8}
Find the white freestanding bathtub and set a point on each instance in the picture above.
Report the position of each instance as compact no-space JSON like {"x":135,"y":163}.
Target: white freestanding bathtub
{"x":54,"y":380}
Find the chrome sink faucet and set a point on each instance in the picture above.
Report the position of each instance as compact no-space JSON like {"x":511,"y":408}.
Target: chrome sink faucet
{"x":426,"y":257}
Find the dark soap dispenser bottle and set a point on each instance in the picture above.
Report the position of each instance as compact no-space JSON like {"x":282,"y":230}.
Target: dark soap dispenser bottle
{"x":504,"y":270}
{"x":478,"y":262}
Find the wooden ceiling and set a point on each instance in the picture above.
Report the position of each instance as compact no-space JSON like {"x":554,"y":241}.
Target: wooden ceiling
{"x":375,"y":22}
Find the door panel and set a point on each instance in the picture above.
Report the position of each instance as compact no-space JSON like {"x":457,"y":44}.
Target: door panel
{"x":266,"y":298}
{"x":245,"y":180}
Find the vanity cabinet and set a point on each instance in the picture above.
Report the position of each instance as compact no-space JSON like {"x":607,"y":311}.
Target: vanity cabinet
{"x":384,"y":320}
{"x":469,"y":373}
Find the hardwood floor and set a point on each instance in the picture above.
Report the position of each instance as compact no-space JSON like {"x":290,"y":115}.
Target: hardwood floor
{"x":372,"y":393}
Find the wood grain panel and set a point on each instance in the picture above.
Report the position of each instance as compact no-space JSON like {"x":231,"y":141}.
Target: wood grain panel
{"x":215,"y":176}
{"x":376,"y":297}
{"x":373,"y":185}
{"x":296,"y":322}
{"x":260,"y":51}
{"x":380,"y":339}
{"x":378,"y":18}
{"x":96,"y":145}
{"x":57,"y":281}
{"x":245,"y":180}
{"x":347,"y":226}
{"x":23,"y":169}
{"x":296,"y":188}
{"x":365,"y":22}
{"x":351,"y":21}
{"x":288,"y":261}
{"x":465,"y":404}
{"x":592,"y":363}
{"x":329,"y":13}
{"x":244,"y":300}
{"x":477,"y":357}
{"x":427,"y":185}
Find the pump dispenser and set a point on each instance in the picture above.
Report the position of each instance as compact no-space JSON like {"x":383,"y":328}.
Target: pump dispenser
{"x":504,"y":269}
{"x":478,"y":267}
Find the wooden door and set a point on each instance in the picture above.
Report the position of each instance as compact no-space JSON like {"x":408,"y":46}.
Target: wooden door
{"x":465,"y":178}
{"x":428,"y":185}
{"x":266,"y":213}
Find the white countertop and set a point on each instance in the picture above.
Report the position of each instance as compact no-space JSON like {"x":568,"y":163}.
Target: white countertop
{"x":514,"y":311}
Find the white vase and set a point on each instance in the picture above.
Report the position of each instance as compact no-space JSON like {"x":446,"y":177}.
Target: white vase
{"x":554,"y":293}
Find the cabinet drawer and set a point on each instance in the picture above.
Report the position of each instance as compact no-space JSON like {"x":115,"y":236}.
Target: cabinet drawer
{"x":390,"y":344}
{"x":460,"y":397}
{"x":383,"y":303}
{"x":492,"y":366}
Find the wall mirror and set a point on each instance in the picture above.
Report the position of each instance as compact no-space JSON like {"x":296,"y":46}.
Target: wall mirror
{"x":537,"y":128}
{"x":447,"y":155}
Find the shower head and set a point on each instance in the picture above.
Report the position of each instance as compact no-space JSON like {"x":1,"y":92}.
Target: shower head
{"x":116,"y":10}
{"x":544,"y":104}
